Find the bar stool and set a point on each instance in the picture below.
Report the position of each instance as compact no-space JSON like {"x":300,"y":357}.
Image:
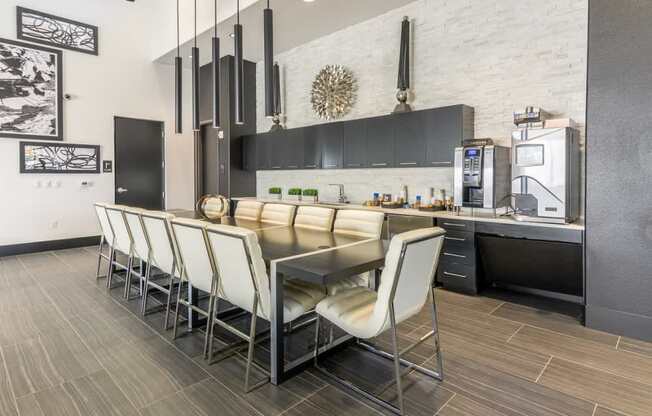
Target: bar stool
{"x":122,"y":242}
{"x":359,"y":223}
{"x":248,"y":210}
{"x":314,"y":218}
{"x":404,"y":288}
{"x":140,"y":247}
{"x":281,"y":214}
{"x":243,"y":282}
{"x":106,"y":238}
{"x":162,"y":254}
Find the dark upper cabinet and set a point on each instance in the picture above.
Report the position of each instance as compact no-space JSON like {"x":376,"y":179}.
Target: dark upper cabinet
{"x":249,"y":154}
{"x":261,"y":150}
{"x":329,"y":142}
{"x":291,"y":144}
{"x":276,"y":143}
{"x":410,"y":138}
{"x":446,"y":128}
{"x":380,"y":142}
{"x":354,"y":144}
{"x":311,"y":147}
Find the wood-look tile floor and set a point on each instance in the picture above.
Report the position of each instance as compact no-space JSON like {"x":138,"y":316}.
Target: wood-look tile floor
{"x":70,"y":347}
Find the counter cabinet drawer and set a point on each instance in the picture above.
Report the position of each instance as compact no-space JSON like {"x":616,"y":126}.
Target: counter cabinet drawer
{"x":457,"y":277}
{"x":456,"y":225}
{"x":458,"y":254}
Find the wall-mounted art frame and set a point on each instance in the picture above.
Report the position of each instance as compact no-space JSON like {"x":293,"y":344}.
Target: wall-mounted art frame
{"x":31,"y":91}
{"x":51,"y":30}
{"x":48,"y":157}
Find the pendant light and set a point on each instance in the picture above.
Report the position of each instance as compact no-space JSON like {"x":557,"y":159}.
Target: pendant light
{"x":178,"y":81}
{"x":195,"y":79}
{"x":403,"y":83}
{"x":216,"y":75}
{"x":239,"y":69}
{"x":276,"y":100}
{"x":268,"y":22}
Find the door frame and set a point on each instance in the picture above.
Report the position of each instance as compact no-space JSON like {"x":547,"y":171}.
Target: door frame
{"x":163,"y":167}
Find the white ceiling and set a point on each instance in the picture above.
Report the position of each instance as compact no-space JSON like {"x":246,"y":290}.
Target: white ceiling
{"x":295,"y":22}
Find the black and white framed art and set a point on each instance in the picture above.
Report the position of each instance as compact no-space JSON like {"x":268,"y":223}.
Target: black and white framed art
{"x":48,"y":29}
{"x":31,"y":96}
{"x":51,"y":157}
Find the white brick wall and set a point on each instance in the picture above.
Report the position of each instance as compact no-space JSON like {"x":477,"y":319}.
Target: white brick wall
{"x":494,"y":55}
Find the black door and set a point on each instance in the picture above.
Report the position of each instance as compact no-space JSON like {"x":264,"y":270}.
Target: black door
{"x":139,"y":168}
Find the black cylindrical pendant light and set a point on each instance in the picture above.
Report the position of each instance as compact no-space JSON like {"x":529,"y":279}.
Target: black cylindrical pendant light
{"x":216,"y":75}
{"x":239,"y":70}
{"x":178,"y":81}
{"x":404,"y":58}
{"x":276,"y":88}
{"x":268,"y":21}
{"x":195,"y":79}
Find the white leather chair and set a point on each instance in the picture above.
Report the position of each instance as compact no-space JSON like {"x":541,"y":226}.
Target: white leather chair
{"x":106,"y":238}
{"x":281,"y":214}
{"x":243,"y":282}
{"x":405,"y":285}
{"x":140,"y":248}
{"x":160,"y":253}
{"x":248,"y":210}
{"x":197,"y":268}
{"x":122,"y":242}
{"x":314,"y":218}
{"x":368,"y":224}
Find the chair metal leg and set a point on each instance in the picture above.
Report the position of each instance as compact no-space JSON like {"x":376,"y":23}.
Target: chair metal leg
{"x":176,"y":312}
{"x":250,"y":352}
{"x":111,"y":260}
{"x":317,"y":329}
{"x":435,"y":328}
{"x":130,"y":264}
{"x":168,"y":301}
{"x":397,"y":359}
{"x":209,"y":320}
{"x":99,"y":258}
{"x":211,"y":328}
{"x":143,"y":301}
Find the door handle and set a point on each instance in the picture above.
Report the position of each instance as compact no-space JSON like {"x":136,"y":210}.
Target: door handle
{"x":122,"y":190}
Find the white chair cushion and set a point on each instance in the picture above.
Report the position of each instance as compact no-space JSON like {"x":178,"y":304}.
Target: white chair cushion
{"x":359,"y":223}
{"x":314,"y":218}
{"x":351,"y":310}
{"x":300,"y":297}
{"x":248,"y":210}
{"x":360,"y":280}
{"x":281,"y":214}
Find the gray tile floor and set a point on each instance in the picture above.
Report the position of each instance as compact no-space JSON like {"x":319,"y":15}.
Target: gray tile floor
{"x":70,"y":347}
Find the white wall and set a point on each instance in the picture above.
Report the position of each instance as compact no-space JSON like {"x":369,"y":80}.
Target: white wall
{"x":122,"y":81}
{"x":496,"y":56}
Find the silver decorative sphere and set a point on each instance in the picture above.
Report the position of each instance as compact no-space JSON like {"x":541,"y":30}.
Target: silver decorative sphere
{"x":402,"y":96}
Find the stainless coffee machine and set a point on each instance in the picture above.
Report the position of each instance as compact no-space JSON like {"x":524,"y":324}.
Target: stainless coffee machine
{"x":546,"y":174}
{"x":481,"y":178}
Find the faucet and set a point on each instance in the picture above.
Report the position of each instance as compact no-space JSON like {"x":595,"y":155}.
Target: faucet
{"x":341,"y":197}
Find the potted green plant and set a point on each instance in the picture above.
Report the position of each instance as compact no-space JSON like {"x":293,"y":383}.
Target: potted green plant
{"x":275,"y":192}
{"x":294,"y":194}
{"x":310,"y":195}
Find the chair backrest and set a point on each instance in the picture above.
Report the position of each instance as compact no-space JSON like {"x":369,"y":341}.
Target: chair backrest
{"x":282,"y":214}
{"x":359,"y":223}
{"x":314,"y":218}
{"x":196,"y":261}
{"x":408,"y":276}
{"x":158,"y":233}
{"x":122,"y":240}
{"x":135,"y":226}
{"x":248,"y":210}
{"x":240,"y":266}
{"x":107,"y":232}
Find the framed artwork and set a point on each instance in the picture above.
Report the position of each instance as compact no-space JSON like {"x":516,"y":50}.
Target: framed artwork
{"x":59,"y":158}
{"x":31,"y":97}
{"x":47,"y":29}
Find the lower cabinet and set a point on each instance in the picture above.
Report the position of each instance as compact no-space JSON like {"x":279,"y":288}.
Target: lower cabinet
{"x":457,"y":269}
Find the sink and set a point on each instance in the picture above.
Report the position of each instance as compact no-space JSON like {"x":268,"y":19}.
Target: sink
{"x":333,"y":203}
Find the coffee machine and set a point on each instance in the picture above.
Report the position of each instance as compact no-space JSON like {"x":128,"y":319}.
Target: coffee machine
{"x":481,"y":178}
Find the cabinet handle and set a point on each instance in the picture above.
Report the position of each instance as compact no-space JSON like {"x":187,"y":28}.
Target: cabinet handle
{"x":332,"y":166}
{"x":379,"y":164}
{"x":450,"y":224}
{"x":355,"y":165}
{"x":311,"y":166}
{"x":293,"y":167}
{"x":441,"y":163}
{"x":455,"y":255}
{"x":276,"y":167}
{"x":455,"y":275}
{"x":454,"y":238}
{"x":407,"y":163}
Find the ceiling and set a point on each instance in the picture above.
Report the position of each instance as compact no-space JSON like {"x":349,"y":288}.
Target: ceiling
{"x":295,"y":22}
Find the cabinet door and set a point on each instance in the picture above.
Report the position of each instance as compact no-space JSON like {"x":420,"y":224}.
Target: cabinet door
{"x":354,"y":143}
{"x":249,"y":156}
{"x":330,"y":140}
{"x":262,"y":151}
{"x":443,"y":134}
{"x":311,"y":148}
{"x":292,"y":148}
{"x":380,"y":142}
{"x":276,"y":143}
{"x":410,"y":139}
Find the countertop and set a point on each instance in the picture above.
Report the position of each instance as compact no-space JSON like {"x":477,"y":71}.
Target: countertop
{"x":416,"y":213}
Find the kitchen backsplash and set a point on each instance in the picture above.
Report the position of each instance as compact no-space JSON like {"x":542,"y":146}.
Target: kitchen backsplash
{"x":359,"y":184}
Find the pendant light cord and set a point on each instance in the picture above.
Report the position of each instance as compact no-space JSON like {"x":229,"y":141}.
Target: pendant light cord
{"x":238,"y":12}
{"x":215,"y":28}
{"x":178,"y":40}
{"x":195,"y":24}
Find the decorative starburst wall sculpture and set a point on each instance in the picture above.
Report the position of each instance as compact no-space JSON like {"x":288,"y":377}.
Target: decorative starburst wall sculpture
{"x":333,"y":92}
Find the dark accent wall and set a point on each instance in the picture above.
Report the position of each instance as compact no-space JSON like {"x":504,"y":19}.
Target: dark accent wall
{"x":619,"y":168}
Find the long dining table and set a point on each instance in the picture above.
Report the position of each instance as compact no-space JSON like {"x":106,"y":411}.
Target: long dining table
{"x":319,"y":257}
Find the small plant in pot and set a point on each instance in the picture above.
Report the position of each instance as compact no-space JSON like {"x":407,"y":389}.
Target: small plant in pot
{"x":275,"y":193}
{"x":294,"y":194}
{"x":310,"y":195}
